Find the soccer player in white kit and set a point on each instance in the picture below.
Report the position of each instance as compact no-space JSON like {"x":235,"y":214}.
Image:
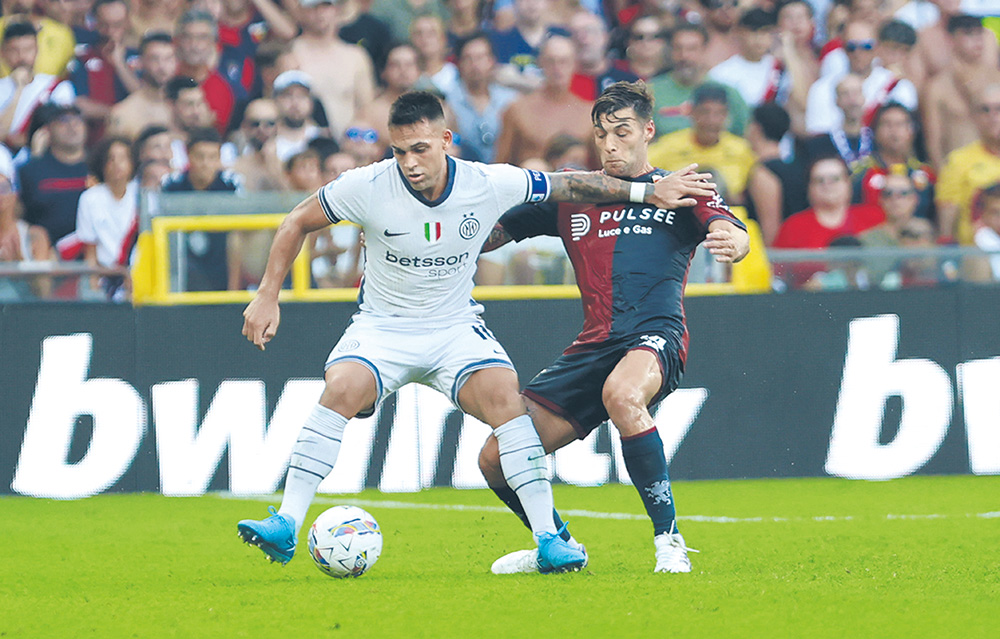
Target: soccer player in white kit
{"x":425,"y":216}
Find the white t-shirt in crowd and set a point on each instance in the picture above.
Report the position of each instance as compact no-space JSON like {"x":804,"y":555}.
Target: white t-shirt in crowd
{"x":103,"y":220}
{"x":44,"y":88}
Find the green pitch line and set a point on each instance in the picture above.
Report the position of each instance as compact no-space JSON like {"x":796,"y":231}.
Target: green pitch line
{"x":910,"y":558}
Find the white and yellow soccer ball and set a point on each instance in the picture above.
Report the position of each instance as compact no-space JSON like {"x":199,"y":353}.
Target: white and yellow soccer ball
{"x":345,"y":541}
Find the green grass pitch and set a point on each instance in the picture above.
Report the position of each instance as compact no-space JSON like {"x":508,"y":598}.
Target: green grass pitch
{"x":917,"y":557}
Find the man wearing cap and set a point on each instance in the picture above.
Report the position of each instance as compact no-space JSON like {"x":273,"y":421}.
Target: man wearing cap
{"x":708,"y":144}
{"x":292,"y":94}
{"x":347,"y":93}
{"x":23,"y":90}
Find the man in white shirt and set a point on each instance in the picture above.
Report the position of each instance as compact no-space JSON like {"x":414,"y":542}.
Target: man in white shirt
{"x":23,"y":90}
{"x":754,"y":71}
{"x":880,"y":85}
{"x":425,"y":216}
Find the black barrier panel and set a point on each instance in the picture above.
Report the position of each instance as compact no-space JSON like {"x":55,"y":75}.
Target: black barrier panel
{"x":790,"y":383}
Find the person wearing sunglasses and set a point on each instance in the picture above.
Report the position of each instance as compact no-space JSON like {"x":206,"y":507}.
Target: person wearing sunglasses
{"x":879,"y":84}
{"x":258,"y":162}
{"x":646,"y":48}
{"x":296,"y":127}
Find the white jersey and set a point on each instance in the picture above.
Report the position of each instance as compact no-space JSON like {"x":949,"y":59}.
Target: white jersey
{"x":420,"y":255}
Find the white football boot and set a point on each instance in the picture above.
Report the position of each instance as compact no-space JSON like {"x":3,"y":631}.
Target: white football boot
{"x":671,"y":553}
{"x":526,"y":561}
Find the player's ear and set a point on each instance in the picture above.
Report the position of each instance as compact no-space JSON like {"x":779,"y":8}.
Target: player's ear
{"x":649,"y":131}
{"x":448,"y":138}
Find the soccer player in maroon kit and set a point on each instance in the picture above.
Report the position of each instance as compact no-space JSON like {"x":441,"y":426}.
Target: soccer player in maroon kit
{"x":631,"y":264}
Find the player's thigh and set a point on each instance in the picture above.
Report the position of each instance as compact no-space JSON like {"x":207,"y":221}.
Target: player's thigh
{"x":491,"y":395}
{"x":637,"y":376}
{"x":350,"y":388}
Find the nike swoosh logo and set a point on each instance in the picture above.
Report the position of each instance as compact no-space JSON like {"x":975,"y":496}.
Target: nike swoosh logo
{"x":388,"y":234}
{"x":536,"y":458}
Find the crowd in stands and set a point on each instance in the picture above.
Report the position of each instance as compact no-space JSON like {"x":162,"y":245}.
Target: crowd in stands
{"x":833,"y":122}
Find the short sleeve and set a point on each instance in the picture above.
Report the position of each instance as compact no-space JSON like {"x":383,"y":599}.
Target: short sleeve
{"x":514,"y":185}
{"x":709,"y":209}
{"x":85,"y":230}
{"x":347,"y":197}
{"x":531,"y":220}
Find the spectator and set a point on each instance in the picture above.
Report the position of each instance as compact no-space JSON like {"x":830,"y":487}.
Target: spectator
{"x":709,"y":144}
{"x":720,"y":18}
{"x":359,"y":26}
{"x":897,"y":52}
{"x":75,"y":14}
{"x":672,"y":91}
{"x":799,"y":56}
{"x":103,"y":74}
{"x":594,"y":71}
{"x":107,"y":222}
{"x":948,"y":122}
{"x":987,"y":236}
{"x":517,"y":48}
{"x":776,"y":188}
{"x":258,"y":161}
{"x":400,"y":75}
{"x":347,"y":93}
{"x":208,"y":262}
{"x":51,"y":183}
{"x":851,"y":139}
{"x":361,"y":142}
{"x":243,"y":24}
{"x":336,"y":163}
{"x":55,"y":44}
{"x":155,"y":15}
{"x":531,"y":121}
{"x":292,"y":94}
{"x":197,"y":41}
{"x":155,"y":144}
{"x":879,"y":85}
{"x":399,"y":15}
{"x":894,"y":131}
{"x":19,"y":241}
{"x":152,"y":173}
{"x":831,"y":214}
{"x":22,"y":90}
{"x":933,"y":44}
{"x":465,"y":19}
{"x":969,"y":169}
{"x":148,"y":105}
{"x":898,"y":200}
{"x":645,"y":54}
{"x":189,"y":111}
{"x":477,"y":101}
{"x":754,"y":71}
{"x":438,"y":74}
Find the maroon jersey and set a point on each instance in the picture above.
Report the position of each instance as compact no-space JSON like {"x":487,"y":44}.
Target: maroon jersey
{"x":631,"y":260}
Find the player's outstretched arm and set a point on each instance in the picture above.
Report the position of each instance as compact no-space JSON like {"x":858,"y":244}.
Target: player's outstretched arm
{"x":498,"y":237}
{"x":261,"y":316}
{"x":726,"y":241}
{"x":676,"y":190}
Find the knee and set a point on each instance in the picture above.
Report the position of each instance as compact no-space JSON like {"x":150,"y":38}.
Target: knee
{"x":621,"y":401}
{"x":348,"y":393}
{"x":489,"y":461}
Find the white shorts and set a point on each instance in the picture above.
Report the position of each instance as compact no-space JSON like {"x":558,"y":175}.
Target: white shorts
{"x":402,"y":350}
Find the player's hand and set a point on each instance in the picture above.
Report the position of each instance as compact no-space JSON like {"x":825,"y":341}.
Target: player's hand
{"x":260,"y":320}
{"x":722,"y":243}
{"x":680,"y":188}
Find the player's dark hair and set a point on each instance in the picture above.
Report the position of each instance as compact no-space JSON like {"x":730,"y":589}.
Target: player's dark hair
{"x":477,"y":35}
{"x":415,"y":106}
{"x":773,"y":120}
{"x":18,"y":29}
{"x":97,"y":159}
{"x":899,"y":32}
{"x":624,"y":95}
{"x":691,"y":28}
{"x":154,"y":37}
{"x":179,"y":83}
{"x":964,"y":22}
{"x":205,"y":134}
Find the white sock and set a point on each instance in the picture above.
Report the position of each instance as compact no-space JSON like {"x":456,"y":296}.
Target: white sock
{"x":313,"y":458}
{"x":522,"y":459}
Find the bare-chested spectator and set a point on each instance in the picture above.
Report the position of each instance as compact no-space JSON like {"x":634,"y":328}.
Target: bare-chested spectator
{"x":189,"y":112}
{"x":348,"y":92}
{"x":594,"y":71}
{"x":431,"y":42}
{"x":359,"y":26}
{"x":947,"y":108}
{"x":879,"y":85}
{"x":800,"y":57}
{"x":148,"y":105}
{"x":23,"y":90}
{"x":400,"y":14}
{"x":516,"y":49}
{"x":197,"y":38}
{"x":399,"y":76}
{"x":933,"y":42}
{"x":272,"y":59}
{"x":55,"y":40}
{"x":293,"y":95}
{"x":154,"y":15}
{"x":532,"y":120}
{"x":720,"y":18}
{"x":258,"y":161}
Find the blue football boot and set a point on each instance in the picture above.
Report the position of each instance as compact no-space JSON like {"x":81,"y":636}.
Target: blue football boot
{"x":557,"y":555}
{"x":274,"y":535}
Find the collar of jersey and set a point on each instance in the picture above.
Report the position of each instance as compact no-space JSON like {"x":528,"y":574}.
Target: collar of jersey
{"x":444,"y":194}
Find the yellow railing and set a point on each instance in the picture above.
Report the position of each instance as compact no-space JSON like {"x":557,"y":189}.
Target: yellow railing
{"x":151,"y":274}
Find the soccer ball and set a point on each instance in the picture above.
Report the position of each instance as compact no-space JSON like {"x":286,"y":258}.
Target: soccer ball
{"x":345,"y":541}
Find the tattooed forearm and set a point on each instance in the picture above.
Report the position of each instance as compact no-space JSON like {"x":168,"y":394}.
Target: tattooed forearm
{"x":498,"y":237}
{"x":589,"y":187}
